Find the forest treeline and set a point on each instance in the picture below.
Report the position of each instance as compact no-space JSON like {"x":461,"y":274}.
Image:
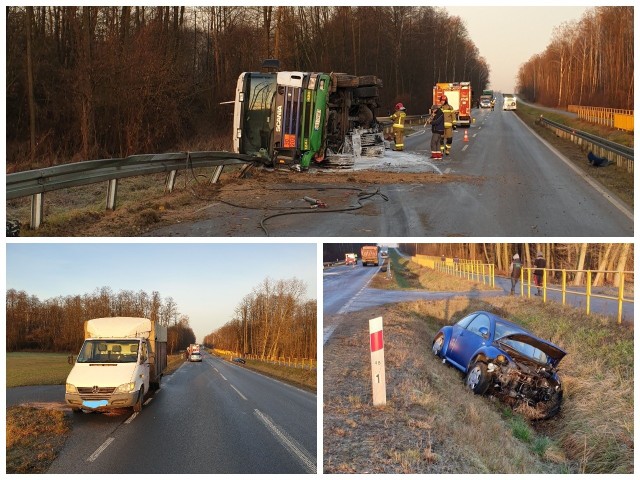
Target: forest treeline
{"x":274,"y":320}
{"x":610,"y":257}
{"x":57,"y":324}
{"x":588,"y":62}
{"x":97,"y":82}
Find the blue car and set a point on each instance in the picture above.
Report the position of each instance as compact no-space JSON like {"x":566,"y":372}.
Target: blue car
{"x":503,"y":358}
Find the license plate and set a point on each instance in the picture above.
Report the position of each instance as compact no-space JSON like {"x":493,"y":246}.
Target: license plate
{"x":94,"y":403}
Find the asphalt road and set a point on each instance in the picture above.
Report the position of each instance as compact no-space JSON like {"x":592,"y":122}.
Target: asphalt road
{"x":208,"y":417}
{"x":518,"y":185}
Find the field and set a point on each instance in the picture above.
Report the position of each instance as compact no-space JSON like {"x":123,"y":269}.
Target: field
{"x":33,"y":368}
{"x":432,"y":424}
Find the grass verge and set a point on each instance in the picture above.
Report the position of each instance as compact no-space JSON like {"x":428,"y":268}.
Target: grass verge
{"x":616,"y":179}
{"x":407,"y":275}
{"x":299,"y":377}
{"x":34,"y":438}
{"x":433,"y":424}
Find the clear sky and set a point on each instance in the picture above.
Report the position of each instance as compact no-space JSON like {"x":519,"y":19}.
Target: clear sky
{"x":509,"y":36}
{"x":207,"y":281}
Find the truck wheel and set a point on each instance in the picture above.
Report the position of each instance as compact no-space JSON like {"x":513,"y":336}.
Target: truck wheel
{"x":137,"y":407}
{"x":366,"y":92}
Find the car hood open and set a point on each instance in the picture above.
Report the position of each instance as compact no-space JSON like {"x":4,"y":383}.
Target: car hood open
{"x":552,"y":351}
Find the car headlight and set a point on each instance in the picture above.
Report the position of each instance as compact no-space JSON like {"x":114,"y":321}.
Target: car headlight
{"x":70,"y":388}
{"x":501,"y":360}
{"x":126,"y":388}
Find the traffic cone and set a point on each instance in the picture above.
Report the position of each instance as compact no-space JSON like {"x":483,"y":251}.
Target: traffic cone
{"x":466,"y":137}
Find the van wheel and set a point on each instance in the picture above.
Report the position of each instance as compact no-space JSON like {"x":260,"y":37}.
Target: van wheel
{"x":137,"y":407}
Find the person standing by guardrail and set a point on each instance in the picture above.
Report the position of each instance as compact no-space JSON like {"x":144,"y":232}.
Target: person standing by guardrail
{"x":398,"y":126}
{"x":515,"y":270}
{"x":540,"y":263}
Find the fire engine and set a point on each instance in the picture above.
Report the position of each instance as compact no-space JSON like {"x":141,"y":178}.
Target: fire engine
{"x":459,"y":96}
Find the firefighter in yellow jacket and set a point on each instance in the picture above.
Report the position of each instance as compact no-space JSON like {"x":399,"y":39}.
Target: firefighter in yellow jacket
{"x":449,"y":123}
{"x":398,"y":126}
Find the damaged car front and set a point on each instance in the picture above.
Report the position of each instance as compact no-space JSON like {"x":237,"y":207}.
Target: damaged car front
{"x":503,"y":359}
{"x":525,"y":374}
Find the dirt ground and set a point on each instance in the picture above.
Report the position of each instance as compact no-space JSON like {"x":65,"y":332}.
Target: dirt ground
{"x":144,"y":206}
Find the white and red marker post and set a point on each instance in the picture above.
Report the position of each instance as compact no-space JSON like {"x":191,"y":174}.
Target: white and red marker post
{"x":376,"y":341}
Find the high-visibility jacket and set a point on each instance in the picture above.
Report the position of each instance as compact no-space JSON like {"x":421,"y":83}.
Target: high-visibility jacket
{"x":398,"y":119}
{"x":449,"y":115}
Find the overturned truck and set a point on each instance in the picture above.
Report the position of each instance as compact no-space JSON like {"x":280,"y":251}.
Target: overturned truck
{"x":296,"y":119}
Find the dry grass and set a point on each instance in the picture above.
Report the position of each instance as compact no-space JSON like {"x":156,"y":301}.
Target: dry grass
{"x":407,"y":275}
{"x":34,"y":438}
{"x":430,"y":411}
{"x":614,"y":178}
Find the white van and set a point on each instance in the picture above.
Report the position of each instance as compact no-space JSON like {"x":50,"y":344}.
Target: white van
{"x":508,"y":101}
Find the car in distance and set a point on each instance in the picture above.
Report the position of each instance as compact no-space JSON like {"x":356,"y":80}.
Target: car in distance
{"x":195,"y":357}
{"x":503,"y":358}
{"x":239,"y":360}
{"x":485,"y":103}
{"x":508,"y":101}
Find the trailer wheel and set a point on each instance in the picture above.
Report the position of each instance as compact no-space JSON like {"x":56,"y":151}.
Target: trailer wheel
{"x":137,"y":407}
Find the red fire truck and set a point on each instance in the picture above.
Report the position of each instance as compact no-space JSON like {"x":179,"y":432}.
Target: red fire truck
{"x":459,"y":96}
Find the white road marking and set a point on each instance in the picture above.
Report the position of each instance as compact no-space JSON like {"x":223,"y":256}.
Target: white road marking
{"x":465,"y":147}
{"x":223,"y":377}
{"x":148,"y":401}
{"x":308,"y":461}
{"x":238,"y":392}
{"x":326,"y":333}
{"x":130,"y":419}
{"x":448,"y":169}
{"x":100,"y":449}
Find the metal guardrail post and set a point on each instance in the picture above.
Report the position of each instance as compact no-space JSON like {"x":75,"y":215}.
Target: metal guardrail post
{"x":112,"y":190}
{"x":564,"y":287}
{"x":37,"y":210}
{"x":620,"y":297}
{"x":217,"y":173}
{"x":544,"y":285}
{"x":588,"y":292}
{"x":170,"y":182}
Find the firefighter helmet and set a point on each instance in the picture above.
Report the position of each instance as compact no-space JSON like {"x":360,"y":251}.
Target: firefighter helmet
{"x":399,"y":106}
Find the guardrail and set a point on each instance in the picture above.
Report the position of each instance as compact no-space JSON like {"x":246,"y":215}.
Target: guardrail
{"x":588,"y":293}
{"x":620,"y":154}
{"x":619,"y":118}
{"x":35,"y":183}
{"x":387,"y":124}
{"x":303,"y":363}
{"x":484,"y":273}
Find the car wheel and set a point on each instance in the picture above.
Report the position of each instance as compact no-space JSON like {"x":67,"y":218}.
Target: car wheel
{"x":477,"y":378}
{"x":437,"y":346}
{"x":137,"y":407}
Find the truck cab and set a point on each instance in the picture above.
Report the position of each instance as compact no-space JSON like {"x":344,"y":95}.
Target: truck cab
{"x":121,"y":359}
{"x":296,"y":118}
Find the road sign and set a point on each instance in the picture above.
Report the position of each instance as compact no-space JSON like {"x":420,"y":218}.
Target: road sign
{"x":378,"y":381}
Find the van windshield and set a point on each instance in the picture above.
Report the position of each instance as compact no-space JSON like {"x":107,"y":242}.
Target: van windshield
{"x":109,"y":351}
